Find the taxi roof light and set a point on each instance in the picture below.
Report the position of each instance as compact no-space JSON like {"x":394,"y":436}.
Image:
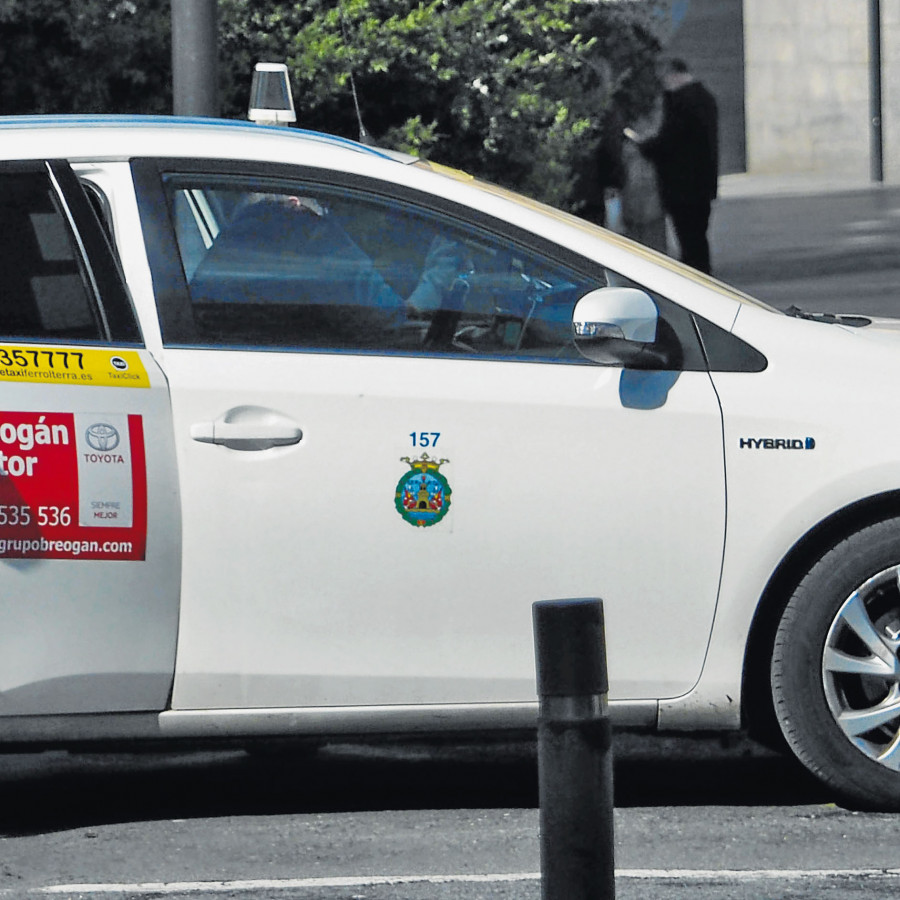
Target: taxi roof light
{"x":271,"y":101}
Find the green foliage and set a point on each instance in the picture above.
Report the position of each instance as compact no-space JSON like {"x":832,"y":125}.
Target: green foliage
{"x":67,"y":56}
{"x":510,"y":90}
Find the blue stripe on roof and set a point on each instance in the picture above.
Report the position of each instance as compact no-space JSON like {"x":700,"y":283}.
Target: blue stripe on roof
{"x":175,"y":122}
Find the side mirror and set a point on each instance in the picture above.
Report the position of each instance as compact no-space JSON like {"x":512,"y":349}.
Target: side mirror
{"x":615,"y":326}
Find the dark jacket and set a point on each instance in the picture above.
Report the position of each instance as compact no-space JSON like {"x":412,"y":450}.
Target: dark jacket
{"x":685,"y":150}
{"x":601,"y":167}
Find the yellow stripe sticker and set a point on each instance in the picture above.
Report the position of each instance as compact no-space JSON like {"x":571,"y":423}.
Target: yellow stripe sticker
{"x":70,"y":365}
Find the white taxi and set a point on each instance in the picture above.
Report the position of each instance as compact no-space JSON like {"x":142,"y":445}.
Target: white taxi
{"x":295,"y":431}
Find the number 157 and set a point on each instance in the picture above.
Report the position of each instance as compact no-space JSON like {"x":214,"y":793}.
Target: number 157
{"x":424,"y":438}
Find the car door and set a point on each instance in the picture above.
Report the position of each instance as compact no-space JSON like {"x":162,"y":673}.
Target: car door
{"x":389,"y":447}
{"x":89,"y":516}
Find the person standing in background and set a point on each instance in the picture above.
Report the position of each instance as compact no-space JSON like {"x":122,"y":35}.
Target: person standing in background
{"x":685,"y":152}
{"x":643,"y":216}
{"x":601,"y":172}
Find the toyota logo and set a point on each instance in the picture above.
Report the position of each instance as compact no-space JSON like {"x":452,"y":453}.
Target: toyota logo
{"x":102,"y":437}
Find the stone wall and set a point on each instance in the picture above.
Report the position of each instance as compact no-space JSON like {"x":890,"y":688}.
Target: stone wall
{"x":890,"y":53}
{"x":807,"y":86}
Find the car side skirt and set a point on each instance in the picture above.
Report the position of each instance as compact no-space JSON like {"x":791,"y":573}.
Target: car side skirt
{"x":320,"y":723}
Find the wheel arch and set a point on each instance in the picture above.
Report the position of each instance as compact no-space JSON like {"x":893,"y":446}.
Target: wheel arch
{"x":757,"y":711}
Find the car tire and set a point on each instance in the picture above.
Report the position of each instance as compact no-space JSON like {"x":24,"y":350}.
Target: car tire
{"x":835,"y":674}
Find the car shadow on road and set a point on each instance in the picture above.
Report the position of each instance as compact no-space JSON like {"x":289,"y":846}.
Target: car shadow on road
{"x":57,"y":791}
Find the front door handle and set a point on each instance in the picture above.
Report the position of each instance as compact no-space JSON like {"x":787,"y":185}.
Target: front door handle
{"x":248,"y":428}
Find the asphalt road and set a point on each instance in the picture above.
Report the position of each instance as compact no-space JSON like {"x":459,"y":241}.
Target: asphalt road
{"x":419,"y":822}
{"x":831,"y":251}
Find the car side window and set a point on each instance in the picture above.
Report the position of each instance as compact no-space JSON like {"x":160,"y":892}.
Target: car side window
{"x":273,"y":264}
{"x":46,"y":292}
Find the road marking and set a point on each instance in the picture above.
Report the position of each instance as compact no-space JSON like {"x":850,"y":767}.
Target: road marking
{"x":287,"y":884}
{"x":281,"y":884}
{"x":754,"y":874}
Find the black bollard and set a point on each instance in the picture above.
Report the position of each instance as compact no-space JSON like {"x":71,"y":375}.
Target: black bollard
{"x":575,"y":776}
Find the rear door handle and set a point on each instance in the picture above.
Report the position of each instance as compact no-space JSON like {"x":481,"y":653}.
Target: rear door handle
{"x":248,"y":428}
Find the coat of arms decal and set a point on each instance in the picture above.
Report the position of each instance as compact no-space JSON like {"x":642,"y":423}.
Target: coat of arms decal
{"x":422,"y":496}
